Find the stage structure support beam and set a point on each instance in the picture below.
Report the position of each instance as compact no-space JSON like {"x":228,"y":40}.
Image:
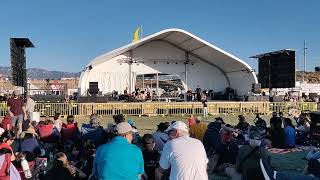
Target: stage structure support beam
{"x":186,"y":74}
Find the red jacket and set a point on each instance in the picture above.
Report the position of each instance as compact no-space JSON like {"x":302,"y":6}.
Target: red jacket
{"x":6,"y":122}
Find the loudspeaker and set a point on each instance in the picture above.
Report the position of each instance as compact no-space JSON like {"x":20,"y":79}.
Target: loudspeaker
{"x":93,"y":88}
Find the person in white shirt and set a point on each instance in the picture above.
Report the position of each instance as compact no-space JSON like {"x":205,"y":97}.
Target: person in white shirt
{"x":184,"y":156}
{"x":160,"y":137}
{"x":57,"y":122}
{"x":30,"y":107}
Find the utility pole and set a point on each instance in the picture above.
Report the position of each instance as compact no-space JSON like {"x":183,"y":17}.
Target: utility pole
{"x":304,"y":55}
{"x":304,"y":59}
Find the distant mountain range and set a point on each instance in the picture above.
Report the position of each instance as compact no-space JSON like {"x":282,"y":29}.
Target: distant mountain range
{"x":38,"y":73}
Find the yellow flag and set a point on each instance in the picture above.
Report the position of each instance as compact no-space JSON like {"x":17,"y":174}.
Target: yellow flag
{"x":136,"y":35}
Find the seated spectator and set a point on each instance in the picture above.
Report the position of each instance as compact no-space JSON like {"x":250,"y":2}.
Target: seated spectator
{"x":305,"y":126}
{"x":119,"y":159}
{"x":26,"y":123}
{"x":6,"y":140}
{"x":191,"y":120}
{"x":160,"y":137}
{"x":29,"y":142}
{"x":151,"y":157}
{"x":184,"y":156}
{"x":198,"y":129}
{"x":57,"y":123}
{"x":92,"y":131}
{"x":70,"y":131}
{"x":212,"y":136}
{"x":290,"y":133}
{"x":277,"y":136}
{"x":248,"y":159}
{"x":260,"y":124}
{"x":61,"y":169}
{"x":275,"y":120}
{"x":89,"y":154}
{"x":242,"y":124}
{"x":6,"y":123}
{"x":45,"y":132}
{"x":94,"y":122}
{"x":8,"y":170}
{"x":225,"y":154}
{"x":110,"y":132}
{"x":281,"y":116}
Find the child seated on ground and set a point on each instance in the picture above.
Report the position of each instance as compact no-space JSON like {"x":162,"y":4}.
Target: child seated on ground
{"x":6,"y":123}
{"x":151,"y":157}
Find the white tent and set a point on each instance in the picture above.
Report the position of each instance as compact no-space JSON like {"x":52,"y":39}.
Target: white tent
{"x":171,"y":51}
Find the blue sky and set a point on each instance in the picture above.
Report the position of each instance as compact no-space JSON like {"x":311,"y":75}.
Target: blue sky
{"x":69,"y":33}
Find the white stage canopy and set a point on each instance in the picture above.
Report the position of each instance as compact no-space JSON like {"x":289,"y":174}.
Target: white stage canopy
{"x":171,"y":51}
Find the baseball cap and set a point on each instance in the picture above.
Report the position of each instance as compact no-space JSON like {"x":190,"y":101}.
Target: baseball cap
{"x":123,"y":128}
{"x":178,"y":125}
{"x":16,"y":92}
{"x":198,"y":118}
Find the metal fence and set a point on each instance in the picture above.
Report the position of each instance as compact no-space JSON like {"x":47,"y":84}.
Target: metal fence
{"x":172,"y":108}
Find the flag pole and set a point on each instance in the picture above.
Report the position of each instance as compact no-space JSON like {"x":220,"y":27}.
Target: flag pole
{"x":141,"y":31}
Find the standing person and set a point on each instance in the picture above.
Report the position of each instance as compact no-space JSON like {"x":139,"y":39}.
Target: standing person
{"x":191,"y":120}
{"x":119,"y":159}
{"x":30,"y":107}
{"x":17,"y":111}
{"x":184,"y":156}
{"x":242,"y":124}
{"x":198,"y":129}
{"x":205,"y":108}
{"x":160,"y":137}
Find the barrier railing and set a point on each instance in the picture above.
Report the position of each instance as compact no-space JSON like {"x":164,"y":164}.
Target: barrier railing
{"x":286,"y":106}
{"x":172,"y":108}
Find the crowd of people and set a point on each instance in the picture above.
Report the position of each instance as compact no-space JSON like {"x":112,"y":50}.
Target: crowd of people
{"x":53,"y":149}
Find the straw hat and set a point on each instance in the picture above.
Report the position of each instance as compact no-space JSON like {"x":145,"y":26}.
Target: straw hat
{"x":30,"y":130}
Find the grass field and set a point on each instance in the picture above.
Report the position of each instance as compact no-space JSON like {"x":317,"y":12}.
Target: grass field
{"x":292,"y":162}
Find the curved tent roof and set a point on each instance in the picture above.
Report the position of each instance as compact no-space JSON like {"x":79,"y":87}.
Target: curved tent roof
{"x":190,"y":43}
